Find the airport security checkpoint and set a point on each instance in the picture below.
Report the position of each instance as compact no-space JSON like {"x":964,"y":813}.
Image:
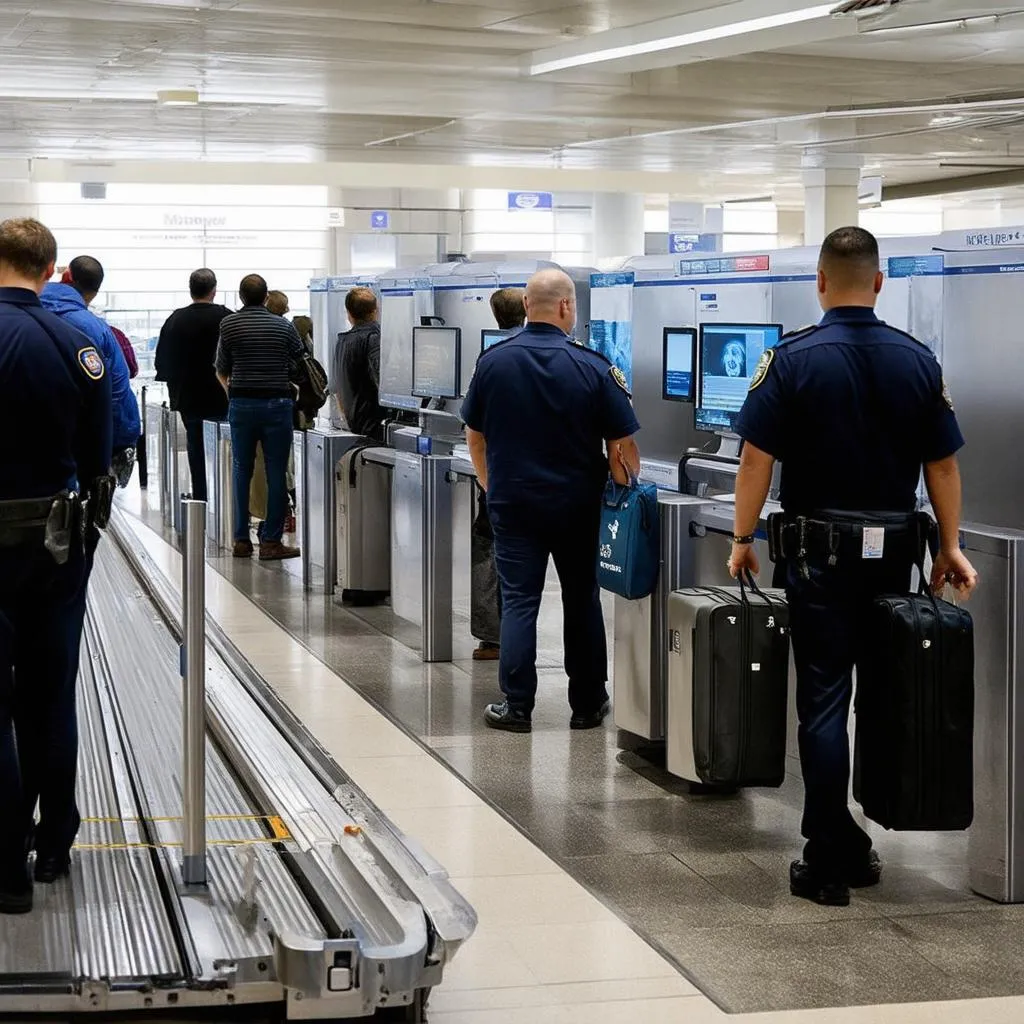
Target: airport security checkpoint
{"x":342,"y":928}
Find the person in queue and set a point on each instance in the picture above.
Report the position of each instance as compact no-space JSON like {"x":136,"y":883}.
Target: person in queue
{"x":853,"y":409}
{"x":545,"y":420}
{"x":356,"y":366}
{"x":71,"y":301}
{"x":256,"y":363}
{"x":277,"y":303}
{"x":184,"y":360}
{"x":509,"y":310}
{"x":50,"y":372}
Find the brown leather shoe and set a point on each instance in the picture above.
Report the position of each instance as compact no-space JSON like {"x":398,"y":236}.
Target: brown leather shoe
{"x":242,"y":549}
{"x":275,"y":551}
{"x":487,"y":652}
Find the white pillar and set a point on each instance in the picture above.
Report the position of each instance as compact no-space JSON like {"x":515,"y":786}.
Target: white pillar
{"x":831,"y":194}
{"x":791,"y":228}
{"x":618,"y":225}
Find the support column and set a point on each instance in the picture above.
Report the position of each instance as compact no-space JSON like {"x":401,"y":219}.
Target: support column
{"x":791,"y":228}
{"x":618,"y":225}
{"x":831,"y":194}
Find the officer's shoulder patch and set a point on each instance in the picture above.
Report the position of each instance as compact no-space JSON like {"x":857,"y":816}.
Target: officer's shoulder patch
{"x":620,"y":379}
{"x":946,"y":396}
{"x":91,"y":362}
{"x":802,"y":332}
{"x":765,"y":364}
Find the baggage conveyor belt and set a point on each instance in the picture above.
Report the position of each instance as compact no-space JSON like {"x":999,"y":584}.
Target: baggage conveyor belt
{"x":315,"y":902}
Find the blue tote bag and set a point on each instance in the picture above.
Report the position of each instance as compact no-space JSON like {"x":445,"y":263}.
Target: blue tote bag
{"x":629,"y":546}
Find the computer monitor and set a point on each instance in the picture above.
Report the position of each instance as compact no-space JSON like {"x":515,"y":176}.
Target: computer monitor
{"x":679,"y":356}
{"x":436,"y":362}
{"x":491,"y":336}
{"x":728,"y":356}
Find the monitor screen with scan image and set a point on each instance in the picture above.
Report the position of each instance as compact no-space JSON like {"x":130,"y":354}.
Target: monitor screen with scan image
{"x":436,"y":362}
{"x":678,"y":371}
{"x":491,"y":336}
{"x":729,"y":354}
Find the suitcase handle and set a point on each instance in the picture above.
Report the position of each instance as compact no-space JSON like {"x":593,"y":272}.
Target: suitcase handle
{"x":748,"y":577}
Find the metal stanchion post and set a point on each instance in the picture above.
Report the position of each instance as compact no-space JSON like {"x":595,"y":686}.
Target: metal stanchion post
{"x":193,"y":619}
{"x":142,"y":456}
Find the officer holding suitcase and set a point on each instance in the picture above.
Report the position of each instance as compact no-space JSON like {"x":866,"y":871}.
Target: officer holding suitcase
{"x":853,"y":409}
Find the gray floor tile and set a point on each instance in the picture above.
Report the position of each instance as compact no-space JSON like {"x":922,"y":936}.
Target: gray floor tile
{"x":804,"y":966}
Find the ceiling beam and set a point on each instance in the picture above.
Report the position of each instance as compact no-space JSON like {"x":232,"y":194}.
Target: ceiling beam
{"x":945,"y":186}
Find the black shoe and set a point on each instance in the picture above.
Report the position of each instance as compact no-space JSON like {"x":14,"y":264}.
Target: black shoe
{"x":806,"y":883}
{"x":504,"y":716}
{"x":865,"y":873}
{"x":16,"y":893}
{"x":51,"y":867}
{"x":592,"y":721}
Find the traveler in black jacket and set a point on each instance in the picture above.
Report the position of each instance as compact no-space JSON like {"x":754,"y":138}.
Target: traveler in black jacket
{"x":356,"y":366}
{"x":184,"y":359}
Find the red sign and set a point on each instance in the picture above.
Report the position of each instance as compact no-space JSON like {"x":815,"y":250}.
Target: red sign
{"x":746,"y":263}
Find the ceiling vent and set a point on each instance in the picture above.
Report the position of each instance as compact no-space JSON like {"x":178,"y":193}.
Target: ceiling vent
{"x":94,"y":190}
{"x":864,"y":7}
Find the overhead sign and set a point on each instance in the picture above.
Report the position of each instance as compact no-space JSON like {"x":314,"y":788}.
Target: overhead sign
{"x":727,"y":265}
{"x":380,"y":220}
{"x":870,"y":191}
{"x":530,"y":201}
{"x":916,"y":266}
{"x":686,"y":218}
{"x":678,"y":244}
{"x":336,"y":217}
{"x":989,"y":239}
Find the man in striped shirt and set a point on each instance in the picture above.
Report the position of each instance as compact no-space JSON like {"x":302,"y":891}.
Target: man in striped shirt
{"x":257,"y":362}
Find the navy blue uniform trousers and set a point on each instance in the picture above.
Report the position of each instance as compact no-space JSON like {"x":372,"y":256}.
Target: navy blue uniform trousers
{"x":42,"y":608}
{"x":524,"y":539}
{"x":828,"y":613}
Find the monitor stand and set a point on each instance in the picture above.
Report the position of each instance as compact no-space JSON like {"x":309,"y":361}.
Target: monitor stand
{"x":730,"y":446}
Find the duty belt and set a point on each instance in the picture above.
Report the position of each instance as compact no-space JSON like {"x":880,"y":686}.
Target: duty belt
{"x":55,"y":522}
{"x":833,"y":536}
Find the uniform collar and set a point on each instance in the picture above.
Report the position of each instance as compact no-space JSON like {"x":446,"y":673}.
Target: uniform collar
{"x":19,"y":296}
{"x":846,"y":314}
{"x":550,"y":330}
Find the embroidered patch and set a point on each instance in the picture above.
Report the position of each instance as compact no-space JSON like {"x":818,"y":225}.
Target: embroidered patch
{"x":946,"y":396}
{"x":620,"y":378}
{"x":90,"y":361}
{"x":762,"y":368}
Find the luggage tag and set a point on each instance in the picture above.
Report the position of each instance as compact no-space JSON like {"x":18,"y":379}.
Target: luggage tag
{"x":873,"y":545}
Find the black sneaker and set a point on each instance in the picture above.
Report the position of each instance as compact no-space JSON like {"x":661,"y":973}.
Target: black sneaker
{"x":592,"y":721}
{"x":865,"y":873}
{"x":50,"y":867}
{"x":504,"y":716}
{"x":16,"y":893}
{"x":806,"y":883}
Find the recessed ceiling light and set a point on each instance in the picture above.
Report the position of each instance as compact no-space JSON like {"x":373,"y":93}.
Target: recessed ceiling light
{"x":178,"y":97}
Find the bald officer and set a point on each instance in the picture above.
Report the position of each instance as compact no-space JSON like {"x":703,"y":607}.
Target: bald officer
{"x":545,"y":420}
{"x":853,"y":408}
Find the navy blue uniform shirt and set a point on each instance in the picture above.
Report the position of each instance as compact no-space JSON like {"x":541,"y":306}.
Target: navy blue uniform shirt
{"x":545,"y":407}
{"x":55,"y":401}
{"x":852,"y":408}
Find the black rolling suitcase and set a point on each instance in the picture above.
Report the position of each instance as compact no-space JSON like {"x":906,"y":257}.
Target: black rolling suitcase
{"x":914,"y":764}
{"x":728,"y":682}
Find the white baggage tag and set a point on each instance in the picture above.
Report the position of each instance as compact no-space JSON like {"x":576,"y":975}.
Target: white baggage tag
{"x":874,"y":542}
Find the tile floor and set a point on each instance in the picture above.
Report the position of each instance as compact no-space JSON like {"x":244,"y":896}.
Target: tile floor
{"x":683,"y":872}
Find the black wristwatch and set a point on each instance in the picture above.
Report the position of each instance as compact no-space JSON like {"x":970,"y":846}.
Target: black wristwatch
{"x":749,"y":539}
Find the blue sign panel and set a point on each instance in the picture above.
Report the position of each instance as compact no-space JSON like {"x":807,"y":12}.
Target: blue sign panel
{"x":380,"y":220}
{"x":678,"y":244}
{"x":530,"y":201}
{"x":916,"y":266}
{"x":612,"y":280}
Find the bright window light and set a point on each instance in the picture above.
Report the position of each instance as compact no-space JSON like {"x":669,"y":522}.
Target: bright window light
{"x":706,"y":35}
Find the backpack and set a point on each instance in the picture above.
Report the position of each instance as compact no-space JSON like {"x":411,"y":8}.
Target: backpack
{"x":312,"y":385}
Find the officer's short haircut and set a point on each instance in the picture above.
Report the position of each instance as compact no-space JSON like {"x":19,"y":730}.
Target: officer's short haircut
{"x":27,"y":247}
{"x":850,"y":256}
{"x":86,"y":274}
{"x":253,"y":290}
{"x":202,"y":283}
{"x":361,"y":304}
{"x":277,"y":302}
{"x":508,"y":309}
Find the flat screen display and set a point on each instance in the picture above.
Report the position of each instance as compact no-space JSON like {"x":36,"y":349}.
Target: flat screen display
{"x":680,"y":351}
{"x":728,"y":356}
{"x":436,"y":362}
{"x":492,"y":336}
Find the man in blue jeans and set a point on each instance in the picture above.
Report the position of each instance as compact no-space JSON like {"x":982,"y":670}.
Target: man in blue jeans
{"x":258,"y":360}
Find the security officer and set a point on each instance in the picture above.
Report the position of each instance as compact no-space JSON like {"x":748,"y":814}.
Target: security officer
{"x":853,"y":408}
{"x":538,"y":415}
{"x":53,"y":374}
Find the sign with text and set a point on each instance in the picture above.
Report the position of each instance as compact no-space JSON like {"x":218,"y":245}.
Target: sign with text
{"x":530,"y":201}
{"x":380,"y":220}
{"x":685,"y":218}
